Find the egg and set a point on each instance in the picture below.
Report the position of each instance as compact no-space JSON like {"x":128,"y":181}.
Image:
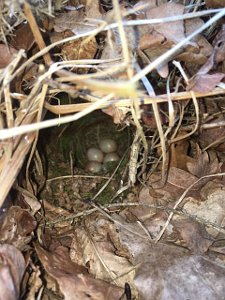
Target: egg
{"x":108,"y":145}
{"x":111,"y":157}
{"x":94,"y":167}
{"x":94,"y":154}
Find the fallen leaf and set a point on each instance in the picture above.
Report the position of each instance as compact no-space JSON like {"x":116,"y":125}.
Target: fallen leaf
{"x":16,"y":226}
{"x":214,"y":3}
{"x":73,"y":280}
{"x":165,"y":271}
{"x":202,"y":81}
{"x":211,"y":209}
{"x":23,"y":38}
{"x":180,"y":178}
{"x":6,"y":55}
{"x":161,"y":37}
{"x":175,"y":31}
{"x":79,"y":49}
{"x":194,"y":235}
{"x":117,"y":113}
{"x":179,"y":157}
{"x":157,"y":39}
{"x":76,"y":20}
{"x":11,"y":272}
{"x":98,"y":253}
{"x":204,"y":165}
{"x":205,"y":83}
{"x":219,"y":45}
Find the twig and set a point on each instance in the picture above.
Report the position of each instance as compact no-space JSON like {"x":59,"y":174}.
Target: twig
{"x":36,"y":32}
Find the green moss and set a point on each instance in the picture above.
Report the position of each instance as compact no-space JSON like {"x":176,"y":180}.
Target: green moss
{"x":106,"y":196}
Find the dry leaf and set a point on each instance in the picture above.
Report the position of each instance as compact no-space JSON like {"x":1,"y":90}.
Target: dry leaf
{"x":211,"y":210}
{"x":194,"y":235}
{"x":157,"y":39}
{"x":203,"y":165}
{"x":11,"y":272}
{"x":179,"y":157}
{"x":16,"y":226}
{"x":219,"y":45}
{"x":167,"y":272}
{"x":161,"y":37}
{"x":214,"y":3}
{"x":205,"y":83}
{"x":6,"y":55}
{"x":76,"y":20}
{"x":175,"y":31}
{"x":23,"y":38}
{"x":79,"y":49}
{"x":180,"y":178}
{"x":117,"y":113}
{"x":98,"y":253}
{"x":73,"y":280}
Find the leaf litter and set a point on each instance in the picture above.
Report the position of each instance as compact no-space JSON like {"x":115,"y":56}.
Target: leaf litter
{"x":151,"y":227}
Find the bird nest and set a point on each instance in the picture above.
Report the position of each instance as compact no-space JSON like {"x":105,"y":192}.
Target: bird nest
{"x":88,"y":132}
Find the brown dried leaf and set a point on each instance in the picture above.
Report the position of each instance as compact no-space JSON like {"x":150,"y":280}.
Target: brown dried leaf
{"x":80,"y":49}
{"x":214,"y":3}
{"x":161,"y":37}
{"x":170,"y":190}
{"x":95,"y":248}
{"x":6,"y":55}
{"x":73,"y":280}
{"x":23,"y":38}
{"x":180,"y":178}
{"x":179,"y":157}
{"x":151,"y":39}
{"x":75,"y":20}
{"x":219,"y":45}
{"x":211,"y":210}
{"x":203,"y":165}
{"x":33,"y":204}
{"x":117,"y":113}
{"x":166,"y":272}
{"x":175,"y":31}
{"x":205,"y":83}
{"x":11,"y":272}
{"x":199,"y":49}
{"x":16,"y":226}
{"x":155,"y":51}
{"x":194,"y":234}
{"x":195,"y":58}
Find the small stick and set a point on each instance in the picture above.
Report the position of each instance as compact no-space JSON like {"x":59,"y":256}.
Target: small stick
{"x":36,"y":32}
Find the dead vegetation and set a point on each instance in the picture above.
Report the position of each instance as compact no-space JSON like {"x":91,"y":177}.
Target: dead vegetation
{"x":149,"y":222}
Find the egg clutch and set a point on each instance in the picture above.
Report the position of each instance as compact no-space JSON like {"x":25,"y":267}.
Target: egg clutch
{"x":99,"y":157}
